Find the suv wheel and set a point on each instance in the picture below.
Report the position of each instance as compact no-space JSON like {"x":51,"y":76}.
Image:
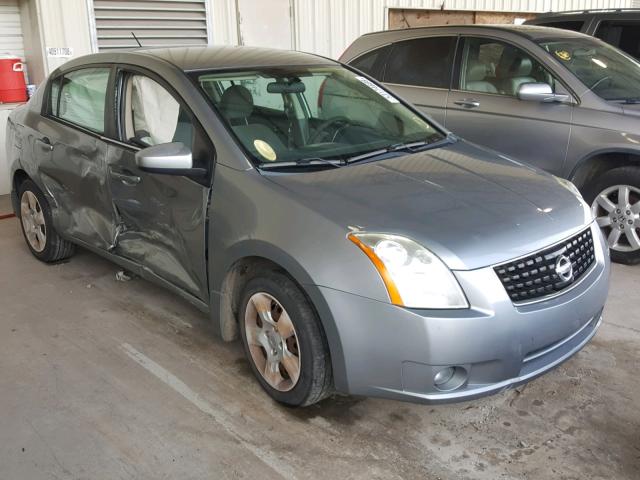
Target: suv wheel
{"x":615,"y":203}
{"x":284,"y":341}
{"x":37,"y":226}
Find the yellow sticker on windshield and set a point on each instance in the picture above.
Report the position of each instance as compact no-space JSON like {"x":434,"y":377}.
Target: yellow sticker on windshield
{"x":563,"y":55}
{"x":265,"y":150}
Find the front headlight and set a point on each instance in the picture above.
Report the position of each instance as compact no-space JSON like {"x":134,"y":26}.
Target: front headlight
{"x":414,"y":276}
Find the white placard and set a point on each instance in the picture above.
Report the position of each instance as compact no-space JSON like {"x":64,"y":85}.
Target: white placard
{"x":61,"y":52}
{"x":378,"y":90}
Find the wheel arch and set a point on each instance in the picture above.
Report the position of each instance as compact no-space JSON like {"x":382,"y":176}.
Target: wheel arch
{"x":19,"y":177}
{"x":594,"y":164}
{"x":251,"y":256}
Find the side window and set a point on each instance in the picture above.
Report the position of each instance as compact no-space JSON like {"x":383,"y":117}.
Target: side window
{"x":372,"y":63}
{"x":625,"y":35}
{"x":153,"y":116}
{"x":80,"y":96}
{"x":423,"y":62}
{"x":491,"y":66}
{"x":574,"y":25}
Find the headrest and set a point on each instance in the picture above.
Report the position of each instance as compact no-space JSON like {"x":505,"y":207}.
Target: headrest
{"x":476,"y":71}
{"x":513,"y":64}
{"x":521,"y":67}
{"x":236,"y":102}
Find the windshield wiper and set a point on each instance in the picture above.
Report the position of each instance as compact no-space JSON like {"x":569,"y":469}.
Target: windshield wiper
{"x":411,"y":147}
{"x":304,"y":162}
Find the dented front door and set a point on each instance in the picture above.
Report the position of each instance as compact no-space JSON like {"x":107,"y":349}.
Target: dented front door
{"x":161,"y":218}
{"x":161,"y":221}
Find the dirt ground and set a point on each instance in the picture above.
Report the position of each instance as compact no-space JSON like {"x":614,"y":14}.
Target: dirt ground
{"x":122,"y":380}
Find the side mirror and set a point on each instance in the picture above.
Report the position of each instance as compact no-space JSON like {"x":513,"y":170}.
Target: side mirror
{"x":168,"y":158}
{"x":541,"y":92}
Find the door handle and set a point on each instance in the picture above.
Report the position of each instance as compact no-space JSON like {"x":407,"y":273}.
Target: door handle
{"x":126,"y":178}
{"x":470,"y":103}
{"x":46,"y":143}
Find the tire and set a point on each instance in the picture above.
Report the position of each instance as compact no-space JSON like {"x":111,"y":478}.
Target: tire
{"x":37,"y":226}
{"x":308,"y":341}
{"x":618,"y":219}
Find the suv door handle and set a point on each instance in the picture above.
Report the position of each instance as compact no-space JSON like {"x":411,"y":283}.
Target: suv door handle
{"x":126,"y":178}
{"x":470,"y":103}
{"x":46,"y":143}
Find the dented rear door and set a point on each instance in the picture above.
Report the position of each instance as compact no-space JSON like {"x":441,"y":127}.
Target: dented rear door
{"x":71,"y":156}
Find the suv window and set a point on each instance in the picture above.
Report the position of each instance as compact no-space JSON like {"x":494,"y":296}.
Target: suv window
{"x":423,"y":62}
{"x":79,"y":97}
{"x":372,"y":63}
{"x":491,"y":66}
{"x":622,"y":34}
{"x":153,"y":116}
{"x":574,"y":25}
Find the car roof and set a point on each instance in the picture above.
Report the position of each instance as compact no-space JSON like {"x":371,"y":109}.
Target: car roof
{"x":532,"y":32}
{"x":609,"y":12}
{"x":231,"y":57}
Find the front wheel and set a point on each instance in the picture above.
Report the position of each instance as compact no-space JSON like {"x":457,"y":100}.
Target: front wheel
{"x":284,"y":341}
{"x":615,"y":204}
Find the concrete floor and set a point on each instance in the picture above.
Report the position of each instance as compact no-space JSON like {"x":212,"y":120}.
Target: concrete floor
{"x":103,"y":379}
{"x":5,"y":205}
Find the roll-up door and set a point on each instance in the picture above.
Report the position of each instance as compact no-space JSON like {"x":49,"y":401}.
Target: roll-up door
{"x":156,"y":23}
{"x":10,"y":29}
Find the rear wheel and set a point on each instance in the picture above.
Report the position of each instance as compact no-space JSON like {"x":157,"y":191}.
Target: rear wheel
{"x":615,"y":204}
{"x":284,"y":341}
{"x":37,"y":226}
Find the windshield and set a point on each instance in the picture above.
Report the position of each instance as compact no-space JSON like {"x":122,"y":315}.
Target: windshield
{"x":297,"y":114}
{"x":605,"y":70}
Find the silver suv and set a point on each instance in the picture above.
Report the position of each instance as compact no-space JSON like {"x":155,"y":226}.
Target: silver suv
{"x":560,"y":100}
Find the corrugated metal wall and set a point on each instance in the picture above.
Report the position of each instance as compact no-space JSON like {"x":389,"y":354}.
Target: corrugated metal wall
{"x":10,"y":29}
{"x":327,"y":27}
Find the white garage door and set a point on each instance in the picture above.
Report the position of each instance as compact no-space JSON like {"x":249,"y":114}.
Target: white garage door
{"x":156,"y":23}
{"x":10,"y":29}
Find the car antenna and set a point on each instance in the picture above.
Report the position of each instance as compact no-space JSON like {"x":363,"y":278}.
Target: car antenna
{"x":136,"y":39}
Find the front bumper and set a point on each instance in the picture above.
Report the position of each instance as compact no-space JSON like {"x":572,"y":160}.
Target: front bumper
{"x":393,"y":352}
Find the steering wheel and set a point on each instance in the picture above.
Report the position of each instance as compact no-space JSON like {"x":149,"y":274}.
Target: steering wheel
{"x":324,"y":126}
{"x":597,"y":83}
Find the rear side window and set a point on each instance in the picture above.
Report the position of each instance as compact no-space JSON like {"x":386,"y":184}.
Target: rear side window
{"x":625,"y":35}
{"x":574,"y":25}
{"x":423,"y":62}
{"x":372,"y":63}
{"x":79,"y":97}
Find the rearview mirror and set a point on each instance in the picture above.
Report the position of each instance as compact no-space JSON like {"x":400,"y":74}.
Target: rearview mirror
{"x":540,"y":92}
{"x":286,"y":87}
{"x":168,"y":158}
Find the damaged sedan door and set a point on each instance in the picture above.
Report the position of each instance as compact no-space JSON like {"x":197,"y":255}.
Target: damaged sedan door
{"x":161,"y":205}
{"x":71,"y":155}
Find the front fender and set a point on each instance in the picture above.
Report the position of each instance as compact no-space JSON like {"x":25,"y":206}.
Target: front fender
{"x":258,"y":249}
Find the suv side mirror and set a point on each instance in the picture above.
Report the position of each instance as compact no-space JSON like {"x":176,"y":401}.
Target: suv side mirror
{"x":168,"y":158}
{"x":541,"y":92}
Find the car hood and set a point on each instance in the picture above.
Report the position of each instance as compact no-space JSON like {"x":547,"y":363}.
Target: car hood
{"x":470,"y":206}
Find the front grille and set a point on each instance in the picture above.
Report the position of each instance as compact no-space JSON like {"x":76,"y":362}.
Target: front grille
{"x":535,"y":276}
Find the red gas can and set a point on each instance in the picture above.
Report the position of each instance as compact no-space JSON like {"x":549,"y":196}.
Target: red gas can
{"x":13,"y":88}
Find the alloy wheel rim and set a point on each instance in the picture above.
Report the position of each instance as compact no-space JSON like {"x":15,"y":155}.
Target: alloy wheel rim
{"x":33,"y":222}
{"x":272,"y":341}
{"x":617,"y":212}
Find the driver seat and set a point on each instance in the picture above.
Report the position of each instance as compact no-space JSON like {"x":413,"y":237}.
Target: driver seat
{"x":236,"y":105}
{"x":513,"y":70}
